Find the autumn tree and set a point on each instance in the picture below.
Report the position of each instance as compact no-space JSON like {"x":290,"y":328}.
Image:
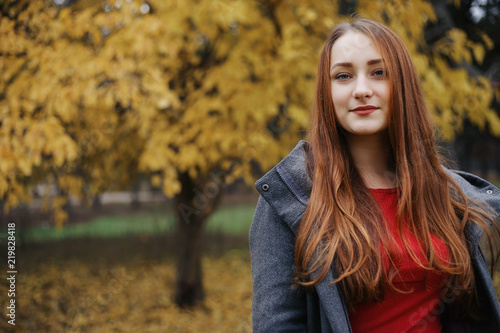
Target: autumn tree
{"x":192,"y":94}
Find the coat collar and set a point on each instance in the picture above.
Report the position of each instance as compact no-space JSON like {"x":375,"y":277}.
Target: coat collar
{"x":286,"y":187}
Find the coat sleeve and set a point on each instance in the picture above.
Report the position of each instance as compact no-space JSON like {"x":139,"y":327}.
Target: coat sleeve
{"x":483,"y":191}
{"x":277,"y":306}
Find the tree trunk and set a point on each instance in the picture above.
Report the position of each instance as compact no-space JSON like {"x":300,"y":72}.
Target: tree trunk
{"x":96,"y":203}
{"x":134,"y":194}
{"x":193,"y":206}
{"x":189,"y":275}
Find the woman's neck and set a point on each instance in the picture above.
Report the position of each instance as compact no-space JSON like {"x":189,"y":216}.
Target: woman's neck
{"x":371,"y":155}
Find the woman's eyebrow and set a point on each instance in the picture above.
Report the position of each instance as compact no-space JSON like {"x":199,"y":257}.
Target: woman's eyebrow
{"x":342,"y":64}
{"x":374,"y":61}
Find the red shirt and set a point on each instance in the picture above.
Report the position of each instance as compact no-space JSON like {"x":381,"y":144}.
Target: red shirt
{"x":416,"y":311}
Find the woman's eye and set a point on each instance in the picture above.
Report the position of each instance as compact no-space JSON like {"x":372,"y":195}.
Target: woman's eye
{"x":379,"y":73}
{"x":342,"y":76}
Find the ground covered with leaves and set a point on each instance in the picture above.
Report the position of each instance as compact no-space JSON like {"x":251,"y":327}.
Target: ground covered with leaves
{"x":127,"y":285}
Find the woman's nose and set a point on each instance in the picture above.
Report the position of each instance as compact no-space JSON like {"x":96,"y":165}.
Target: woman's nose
{"x":362,"y":89}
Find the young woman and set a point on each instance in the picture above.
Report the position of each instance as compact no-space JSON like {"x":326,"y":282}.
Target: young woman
{"x":361,"y":229}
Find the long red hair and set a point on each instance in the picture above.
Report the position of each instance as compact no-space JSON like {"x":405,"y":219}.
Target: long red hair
{"x":340,"y":228}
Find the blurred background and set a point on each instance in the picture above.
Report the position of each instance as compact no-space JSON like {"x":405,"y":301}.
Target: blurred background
{"x":131,"y":133}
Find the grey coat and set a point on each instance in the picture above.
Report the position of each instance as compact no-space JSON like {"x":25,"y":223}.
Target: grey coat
{"x":277,"y":307}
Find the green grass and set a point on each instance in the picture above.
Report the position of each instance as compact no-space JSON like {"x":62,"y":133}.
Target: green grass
{"x":233,"y":220}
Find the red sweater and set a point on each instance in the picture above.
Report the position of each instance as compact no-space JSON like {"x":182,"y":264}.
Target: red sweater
{"x":416,"y":311}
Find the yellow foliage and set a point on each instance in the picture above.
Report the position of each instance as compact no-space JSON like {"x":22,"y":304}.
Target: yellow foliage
{"x":94,"y":96}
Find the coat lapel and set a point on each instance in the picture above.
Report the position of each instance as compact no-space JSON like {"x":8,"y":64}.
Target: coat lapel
{"x":332,"y":302}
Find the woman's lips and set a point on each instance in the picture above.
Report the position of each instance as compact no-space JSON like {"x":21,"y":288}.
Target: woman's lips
{"x":364,"y":109}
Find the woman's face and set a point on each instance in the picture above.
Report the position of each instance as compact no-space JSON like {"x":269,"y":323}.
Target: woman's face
{"x":359,"y":86}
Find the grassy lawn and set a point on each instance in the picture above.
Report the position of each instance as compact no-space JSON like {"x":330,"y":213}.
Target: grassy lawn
{"x":231,"y":220}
